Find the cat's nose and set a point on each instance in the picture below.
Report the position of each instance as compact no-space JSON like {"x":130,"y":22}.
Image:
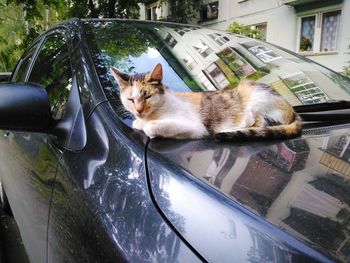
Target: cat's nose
{"x":140,"y":110}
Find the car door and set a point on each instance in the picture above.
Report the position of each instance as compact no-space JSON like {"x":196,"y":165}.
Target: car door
{"x":29,"y":160}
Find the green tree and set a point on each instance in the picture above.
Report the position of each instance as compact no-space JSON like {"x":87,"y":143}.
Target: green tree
{"x":104,"y":8}
{"x":183,"y":11}
{"x":21,"y":22}
{"x":11,"y":31}
{"x":245,"y":30}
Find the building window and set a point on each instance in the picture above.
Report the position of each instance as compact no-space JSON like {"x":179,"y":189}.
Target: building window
{"x":304,"y":88}
{"x":154,"y":12}
{"x":264,"y":53}
{"x":190,"y":62}
{"x":170,"y":40}
{"x":210,"y":11}
{"x":236,"y":63}
{"x":330,"y":29}
{"x":206,"y":82}
{"x":218,"y":76}
{"x":219,"y":39}
{"x":321,"y":38}
{"x":262,"y":29}
{"x":203,"y":49}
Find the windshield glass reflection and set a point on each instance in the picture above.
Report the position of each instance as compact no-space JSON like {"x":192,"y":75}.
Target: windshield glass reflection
{"x":196,"y":59}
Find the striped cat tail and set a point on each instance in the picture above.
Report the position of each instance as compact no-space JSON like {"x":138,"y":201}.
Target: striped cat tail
{"x":284,"y":131}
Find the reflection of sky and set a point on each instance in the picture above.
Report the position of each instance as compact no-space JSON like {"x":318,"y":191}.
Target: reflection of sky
{"x":225,"y":239}
{"x":147,"y":61}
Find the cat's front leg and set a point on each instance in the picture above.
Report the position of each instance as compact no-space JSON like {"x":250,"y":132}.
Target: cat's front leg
{"x":138,"y":124}
{"x":174,"y":129}
{"x":151,"y":130}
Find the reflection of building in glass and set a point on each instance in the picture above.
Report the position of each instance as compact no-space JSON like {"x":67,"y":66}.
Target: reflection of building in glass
{"x":189,"y":61}
{"x":206,"y":82}
{"x":203,"y":49}
{"x":304,"y":88}
{"x":336,"y":154}
{"x":219,"y":39}
{"x":215,"y":60}
{"x":283,"y":90}
{"x":265,"y":249}
{"x":217,"y":76}
{"x":183,"y":30}
{"x":170,"y":40}
{"x":212,"y":70}
{"x":236,"y":63}
{"x":262,"y":52}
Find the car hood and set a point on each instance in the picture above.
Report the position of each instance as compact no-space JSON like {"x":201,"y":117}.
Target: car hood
{"x":274,"y":200}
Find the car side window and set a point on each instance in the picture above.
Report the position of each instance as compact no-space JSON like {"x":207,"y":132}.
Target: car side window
{"x":22,"y":67}
{"x":52,"y":70}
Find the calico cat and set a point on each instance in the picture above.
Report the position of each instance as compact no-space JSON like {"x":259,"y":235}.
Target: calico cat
{"x":249,"y":111}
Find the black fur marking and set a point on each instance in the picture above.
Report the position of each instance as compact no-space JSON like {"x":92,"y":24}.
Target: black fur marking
{"x":136,"y":77}
{"x":271,"y":122}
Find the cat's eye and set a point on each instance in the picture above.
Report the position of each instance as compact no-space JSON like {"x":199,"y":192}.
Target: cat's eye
{"x":132,"y":100}
{"x":147,"y":97}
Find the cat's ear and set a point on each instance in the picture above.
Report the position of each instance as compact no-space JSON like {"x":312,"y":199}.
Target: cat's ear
{"x":121,"y":77}
{"x":156,"y":74}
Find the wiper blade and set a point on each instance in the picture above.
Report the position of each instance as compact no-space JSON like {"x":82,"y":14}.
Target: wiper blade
{"x":325,"y":106}
{"x":333,"y":111}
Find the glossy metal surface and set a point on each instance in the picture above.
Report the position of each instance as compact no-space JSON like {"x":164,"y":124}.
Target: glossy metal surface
{"x":101,"y":209}
{"x":179,"y":201}
{"x":28,"y":167}
{"x":298,"y":186}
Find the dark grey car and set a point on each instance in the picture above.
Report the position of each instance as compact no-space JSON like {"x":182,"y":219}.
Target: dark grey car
{"x":84,"y":186}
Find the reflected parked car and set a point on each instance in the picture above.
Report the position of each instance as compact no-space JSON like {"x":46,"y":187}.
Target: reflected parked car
{"x":84,"y":186}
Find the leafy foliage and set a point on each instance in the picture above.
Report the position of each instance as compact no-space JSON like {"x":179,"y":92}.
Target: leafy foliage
{"x":183,"y":11}
{"x":245,"y":30}
{"x":21,"y":21}
{"x":104,"y":8}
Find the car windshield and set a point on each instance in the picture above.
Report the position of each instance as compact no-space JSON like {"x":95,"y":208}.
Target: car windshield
{"x":201,"y":59}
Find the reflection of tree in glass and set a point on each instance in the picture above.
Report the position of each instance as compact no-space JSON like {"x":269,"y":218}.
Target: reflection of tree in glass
{"x":52,"y":70}
{"x":113,"y":45}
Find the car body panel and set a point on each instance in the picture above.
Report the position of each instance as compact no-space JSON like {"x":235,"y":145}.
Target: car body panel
{"x":283,"y":182}
{"x":119,"y":196}
{"x":28,"y":168}
{"x":104,"y":189}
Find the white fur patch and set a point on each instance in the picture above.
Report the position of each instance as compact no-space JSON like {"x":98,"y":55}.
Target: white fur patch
{"x":178,"y":119}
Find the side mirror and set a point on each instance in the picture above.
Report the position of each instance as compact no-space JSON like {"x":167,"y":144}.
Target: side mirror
{"x":24,"y":107}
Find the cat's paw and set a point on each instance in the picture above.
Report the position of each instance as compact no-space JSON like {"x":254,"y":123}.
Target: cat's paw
{"x":150,"y":131}
{"x":137,"y":124}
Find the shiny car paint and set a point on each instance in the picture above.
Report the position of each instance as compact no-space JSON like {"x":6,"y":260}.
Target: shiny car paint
{"x":114,"y":195}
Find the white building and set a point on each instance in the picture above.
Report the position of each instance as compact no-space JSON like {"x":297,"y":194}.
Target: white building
{"x":316,"y":29}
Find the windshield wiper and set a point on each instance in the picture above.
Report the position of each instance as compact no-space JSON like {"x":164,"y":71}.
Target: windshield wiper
{"x":333,"y":111}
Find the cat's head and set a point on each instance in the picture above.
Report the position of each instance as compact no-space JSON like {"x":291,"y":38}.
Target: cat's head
{"x":141,"y":94}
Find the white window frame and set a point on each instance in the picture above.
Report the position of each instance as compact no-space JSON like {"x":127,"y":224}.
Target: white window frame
{"x":159,"y":10}
{"x":318,"y":31}
{"x":256,"y":26}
